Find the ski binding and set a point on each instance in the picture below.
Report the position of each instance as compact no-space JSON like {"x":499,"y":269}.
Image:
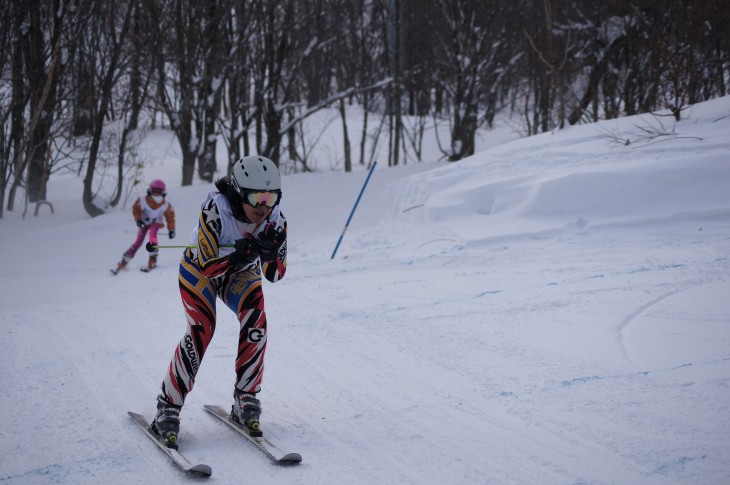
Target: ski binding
{"x":200,"y":470}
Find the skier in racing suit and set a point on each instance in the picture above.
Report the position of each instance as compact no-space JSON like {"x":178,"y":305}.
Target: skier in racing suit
{"x":241,"y":234}
{"x":150,"y":214}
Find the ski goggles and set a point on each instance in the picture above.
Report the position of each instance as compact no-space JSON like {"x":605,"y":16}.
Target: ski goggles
{"x":259,"y":198}
{"x":157,"y":192}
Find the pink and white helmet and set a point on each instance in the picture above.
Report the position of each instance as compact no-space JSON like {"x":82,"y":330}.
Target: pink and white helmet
{"x":157,"y":187}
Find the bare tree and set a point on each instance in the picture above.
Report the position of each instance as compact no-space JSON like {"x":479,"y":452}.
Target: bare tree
{"x":470,"y":51}
{"x":549,"y":40}
{"x":47,"y":31}
{"x":278,"y":41}
{"x":107,"y":39}
{"x":189,"y":70}
{"x":212,"y":80}
{"x":237,"y":116}
{"x":134,"y":92}
{"x":11,"y":102}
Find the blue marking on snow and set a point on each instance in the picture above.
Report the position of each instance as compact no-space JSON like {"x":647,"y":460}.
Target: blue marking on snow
{"x":643,"y":269}
{"x":484,"y":293}
{"x":52,"y":473}
{"x":593,"y":378}
{"x":584,"y":379}
{"x":677,"y":465}
{"x":394,"y":309}
{"x":670,"y":266}
{"x":70,"y":471}
{"x":662,"y":267}
{"x":580,"y":380}
{"x":718,"y":360}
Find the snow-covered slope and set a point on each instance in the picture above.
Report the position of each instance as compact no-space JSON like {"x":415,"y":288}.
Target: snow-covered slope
{"x":553,"y":310}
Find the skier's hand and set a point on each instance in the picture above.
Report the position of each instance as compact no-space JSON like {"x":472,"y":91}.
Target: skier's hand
{"x":270,"y":240}
{"x":171,"y":234}
{"x":140,"y":223}
{"x":151,"y":248}
{"x":246,"y":250}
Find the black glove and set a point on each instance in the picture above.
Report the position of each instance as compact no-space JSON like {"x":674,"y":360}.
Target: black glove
{"x":246,"y":250}
{"x":151,"y":248}
{"x":270,"y":240}
{"x":140,"y":223}
{"x":171,"y":234}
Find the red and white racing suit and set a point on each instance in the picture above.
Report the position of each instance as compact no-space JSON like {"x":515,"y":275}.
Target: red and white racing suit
{"x":205,"y":275}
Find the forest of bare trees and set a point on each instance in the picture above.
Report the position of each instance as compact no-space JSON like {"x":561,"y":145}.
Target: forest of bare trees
{"x":81,"y":79}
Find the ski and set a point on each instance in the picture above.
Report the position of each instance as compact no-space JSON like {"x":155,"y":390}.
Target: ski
{"x":202,"y":471}
{"x":144,"y":269}
{"x":268,"y":448}
{"x":117,"y":270}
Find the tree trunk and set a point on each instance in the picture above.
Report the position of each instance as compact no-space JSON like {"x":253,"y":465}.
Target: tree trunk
{"x":43,"y":99}
{"x":363,"y":139}
{"x":345,"y":137}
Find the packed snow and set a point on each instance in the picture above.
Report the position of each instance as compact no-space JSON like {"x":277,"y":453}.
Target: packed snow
{"x":552,"y":310}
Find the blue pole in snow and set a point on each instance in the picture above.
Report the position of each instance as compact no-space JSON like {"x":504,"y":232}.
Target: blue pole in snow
{"x":353,"y":209}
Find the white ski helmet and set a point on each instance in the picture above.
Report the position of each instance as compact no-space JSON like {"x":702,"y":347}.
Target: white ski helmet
{"x":256,"y":173}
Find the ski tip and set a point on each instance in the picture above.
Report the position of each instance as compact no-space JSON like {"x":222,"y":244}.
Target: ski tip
{"x":202,"y":471}
{"x":215,"y":409}
{"x":290,"y":459}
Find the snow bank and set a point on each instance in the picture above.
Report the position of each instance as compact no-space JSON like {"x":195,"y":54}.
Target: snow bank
{"x":535,"y":187}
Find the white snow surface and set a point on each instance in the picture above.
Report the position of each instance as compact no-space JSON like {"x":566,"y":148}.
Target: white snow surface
{"x":552,"y":310}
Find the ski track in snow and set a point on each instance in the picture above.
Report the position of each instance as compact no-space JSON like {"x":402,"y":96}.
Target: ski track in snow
{"x":634,"y":315}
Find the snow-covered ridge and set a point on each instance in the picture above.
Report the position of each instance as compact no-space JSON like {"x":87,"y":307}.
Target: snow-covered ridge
{"x":582,"y":176}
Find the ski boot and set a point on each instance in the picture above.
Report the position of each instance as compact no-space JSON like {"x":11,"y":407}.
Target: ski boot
{"x":246,"y":411}
{"x":167,"y":422}
{"x":122,"y":264}
{"x":151,"y":264}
